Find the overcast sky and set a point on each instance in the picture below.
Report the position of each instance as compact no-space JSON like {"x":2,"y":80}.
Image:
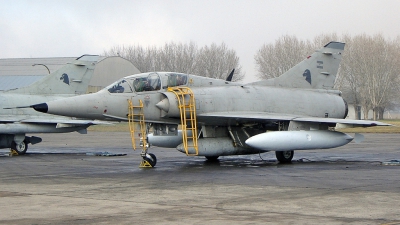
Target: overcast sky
{"x":72,"y":28}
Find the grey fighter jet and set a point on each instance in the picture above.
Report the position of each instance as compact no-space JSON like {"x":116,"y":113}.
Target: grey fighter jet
{"x":295,"y":111}
{"x":16,"y":121}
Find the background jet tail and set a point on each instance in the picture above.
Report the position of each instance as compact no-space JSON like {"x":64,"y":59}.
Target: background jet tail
{"x":72,"y":78}
{"x":317,"y":71}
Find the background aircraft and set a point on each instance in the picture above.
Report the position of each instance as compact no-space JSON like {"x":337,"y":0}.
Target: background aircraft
{"x":295,"y":111}
{"x":16,"y":122}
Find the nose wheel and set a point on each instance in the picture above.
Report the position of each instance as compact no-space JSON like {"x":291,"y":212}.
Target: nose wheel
{"x":149,"y":160}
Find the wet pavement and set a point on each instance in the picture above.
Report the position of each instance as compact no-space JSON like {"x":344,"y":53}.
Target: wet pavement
{"x":61,"y":181}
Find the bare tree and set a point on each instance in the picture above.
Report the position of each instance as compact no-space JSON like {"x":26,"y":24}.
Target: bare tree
{"x":272,"y":60}
{"x":215,"y":61}
{"x":371,"y":68}
{"x":323,"y":39}
{"x":351,"y":74}
{"x":143,"y":58}
{"x":177,"y":57}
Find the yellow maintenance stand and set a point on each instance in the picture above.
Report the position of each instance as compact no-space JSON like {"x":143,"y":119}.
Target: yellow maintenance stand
{"x":187,"y":109}
{"x":137,"y":127}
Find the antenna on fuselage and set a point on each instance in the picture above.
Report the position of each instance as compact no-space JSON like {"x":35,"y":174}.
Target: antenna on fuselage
{"x":230,"y":76}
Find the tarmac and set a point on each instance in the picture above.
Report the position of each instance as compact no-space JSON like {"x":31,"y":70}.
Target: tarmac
{"x":64,"y":181}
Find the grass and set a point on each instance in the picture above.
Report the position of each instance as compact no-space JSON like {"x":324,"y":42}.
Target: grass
{"x":378,"y":129}
{"x":124,"y":127}
{"x":117,"y":127}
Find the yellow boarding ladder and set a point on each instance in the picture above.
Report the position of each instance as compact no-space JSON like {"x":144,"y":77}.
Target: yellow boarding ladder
{"x":137,"y":125}
{"x":187,"y":109}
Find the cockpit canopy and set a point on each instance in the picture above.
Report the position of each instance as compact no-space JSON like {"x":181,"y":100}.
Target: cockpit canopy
{"x":147,"y":82}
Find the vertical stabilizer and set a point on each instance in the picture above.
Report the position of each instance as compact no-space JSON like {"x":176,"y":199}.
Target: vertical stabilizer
{"x":317,"y":71}
{"x":72,"y":78}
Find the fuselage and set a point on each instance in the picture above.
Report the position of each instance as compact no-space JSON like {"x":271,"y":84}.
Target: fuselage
{"x":211,"y":96}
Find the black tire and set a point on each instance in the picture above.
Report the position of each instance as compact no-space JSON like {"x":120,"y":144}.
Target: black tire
{"x":284,"y":156}
{"x":151,"y":159}
{"x":212,"y":158}
{"x":21,"y":148}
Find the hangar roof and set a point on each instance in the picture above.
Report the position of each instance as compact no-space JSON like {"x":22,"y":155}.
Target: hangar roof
{"x":24,"y":66}
{"x":20,"y":72}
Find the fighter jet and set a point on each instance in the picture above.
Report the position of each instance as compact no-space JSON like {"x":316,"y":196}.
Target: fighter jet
{"x":296,"y":111}
{"x":17,"y":121}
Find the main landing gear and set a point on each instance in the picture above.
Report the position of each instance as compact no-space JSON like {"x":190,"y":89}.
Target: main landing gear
{"x":212,"y":158}
{"x":19,"y":149}
{"x":284,"y":156}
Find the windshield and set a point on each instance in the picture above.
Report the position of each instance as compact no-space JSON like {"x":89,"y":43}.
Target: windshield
{"x":121,"y":86}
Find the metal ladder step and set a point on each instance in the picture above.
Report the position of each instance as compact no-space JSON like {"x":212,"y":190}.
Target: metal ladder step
{"x":187,"y":106}
{"x":137,"y":125}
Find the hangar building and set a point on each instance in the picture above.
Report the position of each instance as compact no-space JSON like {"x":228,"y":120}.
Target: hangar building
{"x":20,"y":72}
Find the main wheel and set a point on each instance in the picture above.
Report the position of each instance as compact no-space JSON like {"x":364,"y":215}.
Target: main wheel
{"x":284,"y":156}
{"x":20,"y":148}
{"x":212,"y":158}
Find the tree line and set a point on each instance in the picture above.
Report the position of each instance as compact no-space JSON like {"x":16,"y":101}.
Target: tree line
{"x":215,"y":61}
{"x":368,"y":74}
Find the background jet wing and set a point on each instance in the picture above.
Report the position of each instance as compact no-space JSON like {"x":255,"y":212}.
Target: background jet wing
{"x":64,"y":121}
{"x":246,"y":116}
{"x":8,"y":119}
{"x":46,"y":124}
{"x":48,"y":119}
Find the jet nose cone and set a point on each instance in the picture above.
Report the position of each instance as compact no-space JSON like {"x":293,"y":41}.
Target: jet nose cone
{"x":42,"y":107}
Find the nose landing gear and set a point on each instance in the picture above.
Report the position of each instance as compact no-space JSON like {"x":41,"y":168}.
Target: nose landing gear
{"x":149,"y":160}
{"x":139,"y":128}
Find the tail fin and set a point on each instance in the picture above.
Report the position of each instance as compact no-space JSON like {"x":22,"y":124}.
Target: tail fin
{"x":72,"y":78}
{"x":318,"y":71}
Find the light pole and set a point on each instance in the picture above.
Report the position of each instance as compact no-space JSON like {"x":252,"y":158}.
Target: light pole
{"x":39,"y":64}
